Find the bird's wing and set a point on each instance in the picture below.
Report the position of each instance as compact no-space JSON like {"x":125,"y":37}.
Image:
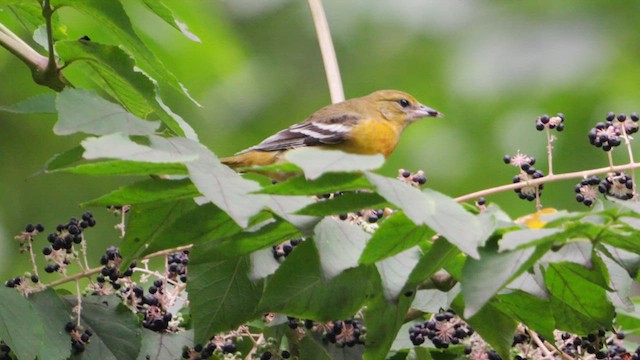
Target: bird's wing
{"x":317,"y":130}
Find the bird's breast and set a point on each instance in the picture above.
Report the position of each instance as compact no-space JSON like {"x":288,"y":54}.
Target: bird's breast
{"x":373,"y":136}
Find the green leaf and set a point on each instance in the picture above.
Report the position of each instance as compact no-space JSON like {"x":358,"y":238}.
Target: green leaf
{"x":157,"y":346}
{"x":383,"y":322}
{"x":219,"y":184}
{"x":435,"y":210}
{"x":395,"y":271}
{"x":396,"y":234}
{"x":118,"y":146}
{"x":298,"y":288}
{"x":481,"y":279}
{"x":147,"y":191}
{"x":84,"y":111}
{"x":63,"y":159}
{"x":113,"y":18}
{"x":116,"y":332}
{"x":573,"y":286}
{"x":43,"y":103}
{"x":315,"y":162}
{"x":21,"y":327}
{"x":431,"y":301}
{"x":147,"y":222}
{"x":345,"y":203}
{"x":160,"y":9}
{"x":529,"y":237}
{"x":531,"y":310}
{"x":436,"y":258}
{"x":221,"y":295}
{"x":325,"y":184}
{"x":54,"y":314}
{"x":117,"y":70}
{"x":121,"y":168}
{"x":339,"y":245}
{"x":495,"y":327}
{"x":268,"y":233}
{"x":312,"y":350}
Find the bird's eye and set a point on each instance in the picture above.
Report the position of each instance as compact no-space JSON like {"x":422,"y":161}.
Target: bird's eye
{"x":404,"y":103}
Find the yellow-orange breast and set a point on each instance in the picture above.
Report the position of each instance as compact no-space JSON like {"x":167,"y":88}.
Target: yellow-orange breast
{"x":373,"y":136}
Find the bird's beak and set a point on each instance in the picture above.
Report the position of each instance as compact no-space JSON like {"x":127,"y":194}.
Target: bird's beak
{"x":425,"y":111}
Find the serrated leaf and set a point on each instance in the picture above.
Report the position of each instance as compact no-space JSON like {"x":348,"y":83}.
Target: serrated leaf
{"x":481,"y":279}
{"x":396,"y":234}
{"x":434,"y":259}
{"x":163,"y":12}
{"x":43,"y":103}
{"x":531,"y":310}
{"x":158,"y":346}
{"x":270,"y":232}
{"x":118,"y":146}
{"x":345,"y":203}
{"x":339,"y":245}
{"x":621,"y":283}
{"x":432,"y":301}
{"x":63,"y":159}
{"x":116,"y":332}
{"x":569,"y":285}
{"x":325,"y":184}
{"x":528,"y":237}
{"x":20,"y":326}
{"x":218,"y":183}
{"x":113,"y":18}
{"x":395,"y":271}
{"x":147,"y":223}
{"x":315,"y":162}
{"x":221,"y":294}
{"x":82,"y":110}
{"x":435,"y":210}
{"x":117,"y":70}
{"x":298,"y":288}
{"x":495,"y":327}
{"x":121,"y":168}
{"x":147,"y":191}
{"x":54,"y":314}
{"x":310,"y":349}
{"x":383,"y":322}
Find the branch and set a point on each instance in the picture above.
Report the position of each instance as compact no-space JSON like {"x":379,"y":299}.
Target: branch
{"x":548,"y":179}
{"x":328,"y":52}
{"x":41,"y":72}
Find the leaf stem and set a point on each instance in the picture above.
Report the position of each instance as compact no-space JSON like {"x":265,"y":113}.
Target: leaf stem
{"x":328,"y":52}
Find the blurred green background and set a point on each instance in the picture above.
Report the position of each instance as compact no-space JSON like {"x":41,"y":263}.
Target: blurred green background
{"x":491,"y":66}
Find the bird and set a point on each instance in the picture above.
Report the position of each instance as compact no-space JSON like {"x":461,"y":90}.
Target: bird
{"x":366,"y":125}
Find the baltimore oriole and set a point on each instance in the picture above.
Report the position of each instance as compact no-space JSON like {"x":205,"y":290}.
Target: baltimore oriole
{"x":370,"y":124}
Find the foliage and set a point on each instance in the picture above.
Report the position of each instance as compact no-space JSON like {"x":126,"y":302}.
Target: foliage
{"x":339,"y":257}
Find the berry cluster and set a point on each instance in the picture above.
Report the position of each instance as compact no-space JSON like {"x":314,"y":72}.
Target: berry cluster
{"x":606,"y":135}
{"x":111,"y":261}
{"x":618,"y":185}
{"x":594,"y":344}
{"x":268,"y":355}
{"x":414,"y":179}
{"x":27,"y":236}
{"x":177,"y":263}
{"x":527,"y":173}
{"x":281,"y":251}
{"x":349,"y":332}
{"x":442,"y":329}
{"x":551,"y":122}
{"x":586,"y":190}
{"x":5,"y":351}
{"x":60,"y":253}
{"x":79,"y":338}
{"x":199,"y":351}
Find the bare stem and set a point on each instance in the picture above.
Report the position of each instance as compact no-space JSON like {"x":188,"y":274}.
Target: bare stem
{"x":548,"y":179}
{"x":328,"y":52}
{"x":47,"y":13}
{"x":627,"y":144}
{"x":79,"y":306}
{"x":550,"y":139}
{"x":32,"y":257}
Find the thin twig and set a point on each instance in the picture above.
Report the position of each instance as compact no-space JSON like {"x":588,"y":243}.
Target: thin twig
{"x":627,"y":144}
{"x":548,"y":179}
{"x":328,"y":52}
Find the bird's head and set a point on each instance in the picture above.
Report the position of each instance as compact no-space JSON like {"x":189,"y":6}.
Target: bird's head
{"x":395,"y":105}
